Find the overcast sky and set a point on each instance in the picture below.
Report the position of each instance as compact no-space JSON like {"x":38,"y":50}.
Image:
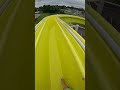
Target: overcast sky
{"x":75,"y":3}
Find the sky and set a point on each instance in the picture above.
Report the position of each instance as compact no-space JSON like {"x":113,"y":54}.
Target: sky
{"x":75,"y":3}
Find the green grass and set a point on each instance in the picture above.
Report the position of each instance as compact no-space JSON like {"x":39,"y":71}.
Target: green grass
{"x":42,"y":15}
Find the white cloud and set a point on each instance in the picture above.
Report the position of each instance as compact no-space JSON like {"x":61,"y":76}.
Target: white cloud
{"x":75,"y":3}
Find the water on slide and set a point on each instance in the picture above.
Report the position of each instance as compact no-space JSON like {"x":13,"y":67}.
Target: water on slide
{"x":58,"y":55}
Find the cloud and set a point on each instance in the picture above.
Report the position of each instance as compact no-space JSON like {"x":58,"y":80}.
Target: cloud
{"x":75,"y":3}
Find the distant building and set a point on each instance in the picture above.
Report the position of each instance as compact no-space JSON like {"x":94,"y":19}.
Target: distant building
{"x":73,"y":12}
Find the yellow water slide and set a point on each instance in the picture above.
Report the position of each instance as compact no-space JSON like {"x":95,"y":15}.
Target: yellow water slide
{"x":59,"y":53}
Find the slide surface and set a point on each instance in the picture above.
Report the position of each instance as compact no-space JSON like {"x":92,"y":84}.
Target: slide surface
{"x":59,"y":54}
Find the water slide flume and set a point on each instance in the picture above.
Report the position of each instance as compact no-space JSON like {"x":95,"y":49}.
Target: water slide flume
{"x":59,"y":53}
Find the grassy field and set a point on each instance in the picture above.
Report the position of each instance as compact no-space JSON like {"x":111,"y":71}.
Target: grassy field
{"x":42,"y":15}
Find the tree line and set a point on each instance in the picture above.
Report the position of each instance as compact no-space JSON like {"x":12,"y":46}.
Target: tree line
{"x":55,"y":8}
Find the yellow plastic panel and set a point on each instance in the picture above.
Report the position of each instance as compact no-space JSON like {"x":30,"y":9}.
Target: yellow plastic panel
{"x":57,"y":56}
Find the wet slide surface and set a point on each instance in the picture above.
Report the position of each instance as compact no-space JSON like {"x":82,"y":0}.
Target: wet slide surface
{"x":59,"y":54}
